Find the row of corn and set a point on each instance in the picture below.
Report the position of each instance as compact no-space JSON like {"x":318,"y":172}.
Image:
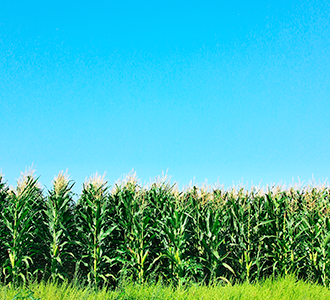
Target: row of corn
{"x":158,"y":233}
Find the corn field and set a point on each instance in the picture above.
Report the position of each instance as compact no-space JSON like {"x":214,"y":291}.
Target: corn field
{"x":158,"y":233}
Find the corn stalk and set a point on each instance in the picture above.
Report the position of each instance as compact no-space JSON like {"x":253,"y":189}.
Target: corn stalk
{"x":19,"y":219}
{"x":94,"y":230}
{"x":3,"y":203}
{"x":60,"y":227}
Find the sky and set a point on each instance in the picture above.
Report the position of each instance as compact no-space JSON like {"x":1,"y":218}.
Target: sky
{"x":232,"y":92}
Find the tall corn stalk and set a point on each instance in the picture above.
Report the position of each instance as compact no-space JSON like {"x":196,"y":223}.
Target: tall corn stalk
{"x":135,"y":231}
{"x":287,"y":250}
{"x":95,"y":230}
{"x":210,"y":235}
{"x":60,"y":226}
{"x":175,"y":228}
{"x":316,"y":227}
{"x":247,"y":222}
{"x":20,"y":216}
{"x":3,"y":203}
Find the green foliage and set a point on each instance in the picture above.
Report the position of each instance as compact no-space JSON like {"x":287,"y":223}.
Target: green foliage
{"x":135,"y":231}
{"x":60,"y":228}
{"x":25,"y":295}
{"x":281,"y":288}
{"x":94,"y":230}
{"x":3,"y":204}
{"x":21,"y":217}
{"x":158,"y":233}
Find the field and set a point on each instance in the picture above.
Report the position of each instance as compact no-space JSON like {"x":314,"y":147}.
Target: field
{"x":283,"y":288}
{"x":158,"y":234}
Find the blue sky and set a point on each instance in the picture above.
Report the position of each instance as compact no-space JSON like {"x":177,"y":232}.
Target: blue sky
{"x":228,"y":91}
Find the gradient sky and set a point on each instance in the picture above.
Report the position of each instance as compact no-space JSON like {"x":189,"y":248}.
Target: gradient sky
{"x":228,"y":91}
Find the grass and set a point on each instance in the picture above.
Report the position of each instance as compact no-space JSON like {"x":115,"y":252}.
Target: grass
{"x":283,"y":288}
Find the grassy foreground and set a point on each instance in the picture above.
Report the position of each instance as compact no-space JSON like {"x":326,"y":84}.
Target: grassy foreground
{"x":283,"y":288}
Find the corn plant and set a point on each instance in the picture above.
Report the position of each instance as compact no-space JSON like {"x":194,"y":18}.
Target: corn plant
{"x":260,"y":237}
{"x":60,"y":226}
{"x":240,"y":234}
{"x":3,"y":204}
{"x":210,"y":234}
{"x":175,"y":229}
{"x":316,"y":227}
{"x":19,"y":217}
{"x":135,"y":230}
{"x":157,"y":232}
{"x":158,"y":198}
{"x":286,"y":250}
{"x":247,"y":233}
{"x":94,"y":230}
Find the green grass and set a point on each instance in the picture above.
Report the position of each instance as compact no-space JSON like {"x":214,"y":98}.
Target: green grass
{"x":283,"y":288}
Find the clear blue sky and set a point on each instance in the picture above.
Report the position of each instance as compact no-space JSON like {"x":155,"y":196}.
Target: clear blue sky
{"x":229,"y":91}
